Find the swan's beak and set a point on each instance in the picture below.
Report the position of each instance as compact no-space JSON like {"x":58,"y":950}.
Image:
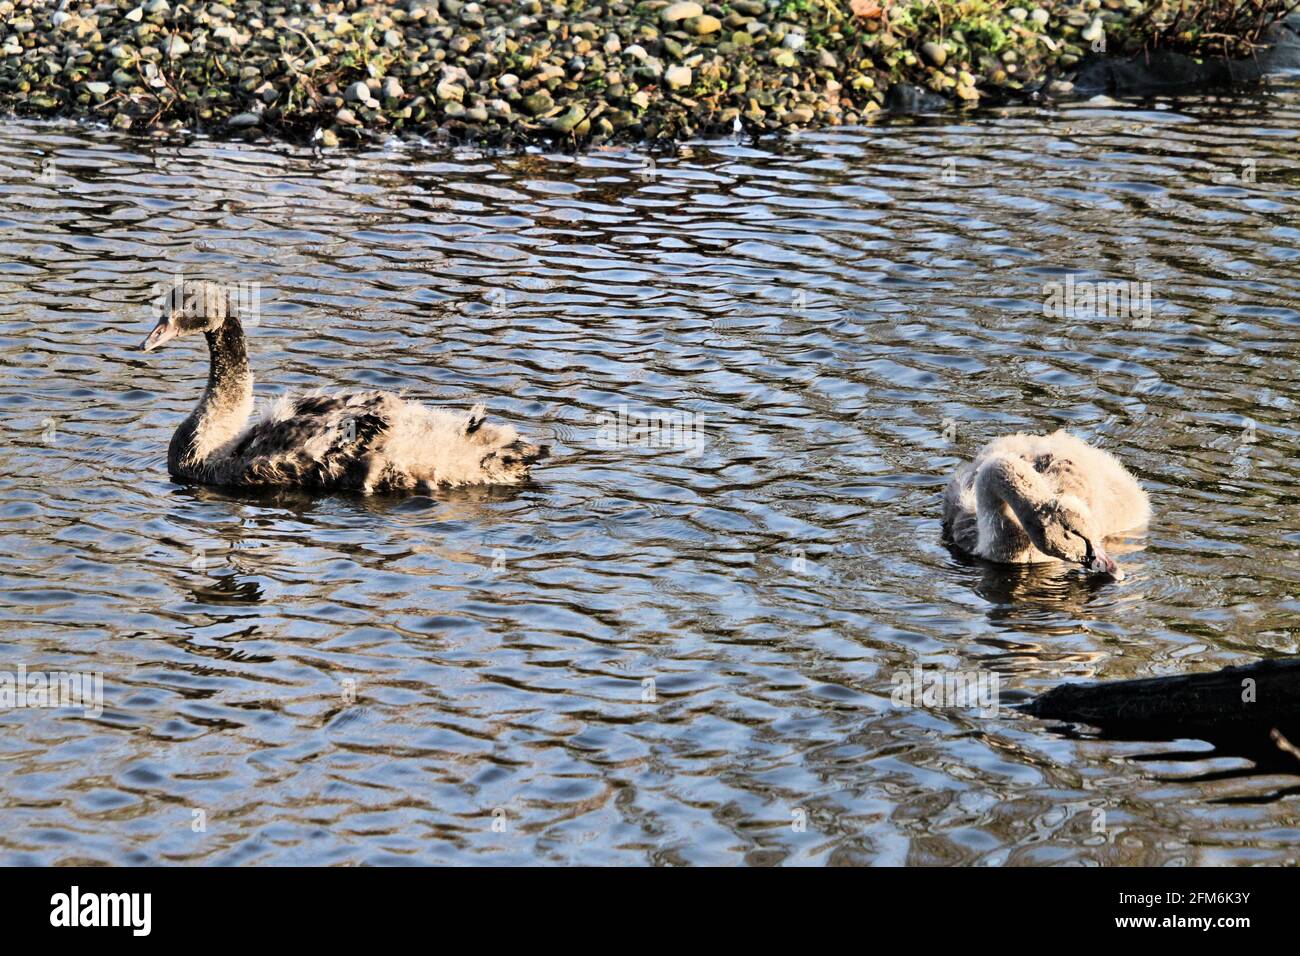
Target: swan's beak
{"x":163,"y":332}
{"x":1102,"y":563}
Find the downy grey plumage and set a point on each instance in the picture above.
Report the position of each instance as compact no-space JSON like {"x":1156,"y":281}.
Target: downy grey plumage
{"x":1031,"y":498}
{"x":367,"y":441}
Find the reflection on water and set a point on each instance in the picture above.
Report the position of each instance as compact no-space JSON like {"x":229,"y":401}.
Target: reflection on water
{"x":648,"y":656}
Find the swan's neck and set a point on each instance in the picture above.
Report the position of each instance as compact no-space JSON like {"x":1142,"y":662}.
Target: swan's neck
{"x":223,"y":410}
{"x":1009,"y":496}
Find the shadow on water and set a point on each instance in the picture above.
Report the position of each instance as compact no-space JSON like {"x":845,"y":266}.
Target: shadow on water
{"x":1020,"y":594}
{"x":1252,"y":756}
{"x":1249,"y":712}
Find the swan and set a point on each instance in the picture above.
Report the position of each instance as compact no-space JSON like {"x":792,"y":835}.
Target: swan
{"x":367,"y":441}
{"x":1032,"y":498}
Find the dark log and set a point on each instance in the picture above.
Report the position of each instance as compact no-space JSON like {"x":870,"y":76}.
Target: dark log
{"x":1237,"y":702}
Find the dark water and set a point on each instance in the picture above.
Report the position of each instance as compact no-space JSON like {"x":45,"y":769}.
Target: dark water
{"x":850,"y":314}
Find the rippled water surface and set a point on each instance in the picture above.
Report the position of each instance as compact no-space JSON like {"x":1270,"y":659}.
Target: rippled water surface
{"x":649,"y":655}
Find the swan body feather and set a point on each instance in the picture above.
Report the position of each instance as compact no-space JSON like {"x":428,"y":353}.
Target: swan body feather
{"x":1018,"y":486}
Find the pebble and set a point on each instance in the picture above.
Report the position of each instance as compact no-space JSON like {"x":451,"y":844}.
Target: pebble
{"x":703,"y":25}
{"x":934,"y":53}
{"x":677,"y":77}
{"x":357,"y":92}
{"x":681,"y":11}
{"x":535,"y":104}
{"x":174,"y":46}
{"x":567,"y":121}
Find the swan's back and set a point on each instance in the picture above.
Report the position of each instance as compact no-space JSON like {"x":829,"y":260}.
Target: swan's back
{"x":1072,"y":466}
{"x":374,"y":441}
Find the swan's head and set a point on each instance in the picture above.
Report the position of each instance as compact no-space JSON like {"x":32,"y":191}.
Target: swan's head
{"x":185,"y":308}
{"x":1065,"y":529}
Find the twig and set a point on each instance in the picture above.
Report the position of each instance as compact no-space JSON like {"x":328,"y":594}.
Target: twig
{"x":1283,"y":744}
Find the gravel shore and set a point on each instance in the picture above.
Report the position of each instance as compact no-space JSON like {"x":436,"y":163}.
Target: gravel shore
{"x":513,"y":72}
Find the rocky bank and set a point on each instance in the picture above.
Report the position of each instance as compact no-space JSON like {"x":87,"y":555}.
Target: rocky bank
{"x":512,"y":72}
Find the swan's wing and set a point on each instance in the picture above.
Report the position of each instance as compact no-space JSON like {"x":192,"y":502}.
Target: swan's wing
{"x":315,"y":441}
{"x":1098,"y":478}
{"x":1061,"y":474}
{"x":960,"y":521}
{"x":1066,"y":475}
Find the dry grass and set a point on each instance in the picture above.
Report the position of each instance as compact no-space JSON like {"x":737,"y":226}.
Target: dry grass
{"x":1232,"y":28}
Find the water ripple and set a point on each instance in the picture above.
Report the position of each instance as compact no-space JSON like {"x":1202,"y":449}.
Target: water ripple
{"x":653,"y":655}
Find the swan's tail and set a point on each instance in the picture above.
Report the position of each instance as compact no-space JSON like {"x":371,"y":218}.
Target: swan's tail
{"x":505,"y":456}
{"x":439,"y":448}
{"x":509,"y":464}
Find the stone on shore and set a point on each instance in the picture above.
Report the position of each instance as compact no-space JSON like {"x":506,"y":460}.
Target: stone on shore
{"x":519,"y":72}
{"x":703,"y":25}
{"x":681,"y":11}
{"x":357,"y":92}
{"x":535,"y":104}
{"x":677,"y":77}
{"x":934,"y":53}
